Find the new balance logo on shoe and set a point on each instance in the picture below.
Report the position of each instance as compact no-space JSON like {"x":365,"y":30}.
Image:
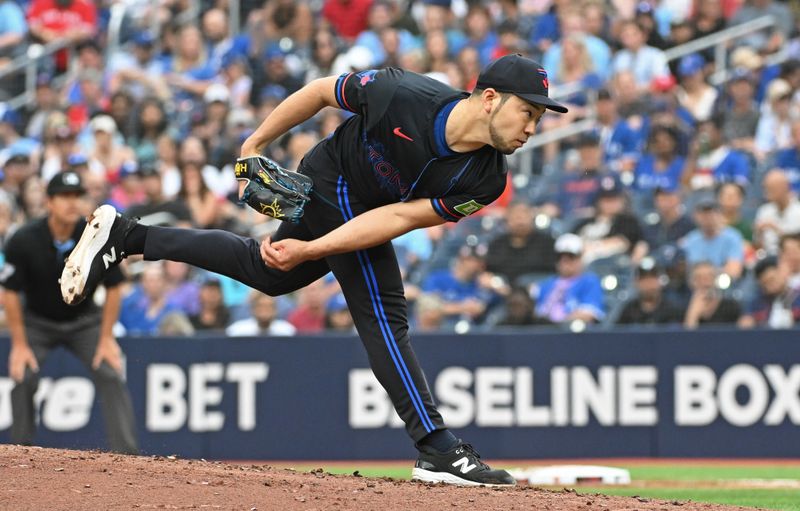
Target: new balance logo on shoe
{"x":110,"y":258}
{"x":465,"y":465}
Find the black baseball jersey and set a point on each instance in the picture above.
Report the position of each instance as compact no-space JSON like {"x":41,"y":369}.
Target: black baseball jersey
{"x":394,"y":148}
{"x":33,"y":266}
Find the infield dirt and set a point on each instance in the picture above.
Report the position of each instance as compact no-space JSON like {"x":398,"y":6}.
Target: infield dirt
{"x":34,"y":478}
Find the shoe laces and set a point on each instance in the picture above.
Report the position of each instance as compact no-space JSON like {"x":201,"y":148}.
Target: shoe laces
{"x":471,"y":450}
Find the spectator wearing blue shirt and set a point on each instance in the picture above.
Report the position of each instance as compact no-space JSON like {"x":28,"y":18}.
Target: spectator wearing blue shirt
{"x":482,"y":37}
{"x":712,"y":161}
{"x":777,"y":304}
{"x":620,"y":142}
{"x":645,"y":62}
{"x":217,"y":37}
{"x":146,"y":307}
{"x":459,"y":287}
{"x":546,"y":30}
{"x":13,"y":29}
{"x":439,"y":16}
{"x":572,"y":25}
{"x":661,"y":166}
{"x":187,"y":71}
{"x":381,"y":17}
{"x":577,"y":188}
{"x":573,"y":294}
{"x":714,"y":242}
{"x":136,"y":70}
{"x":788,"y":160}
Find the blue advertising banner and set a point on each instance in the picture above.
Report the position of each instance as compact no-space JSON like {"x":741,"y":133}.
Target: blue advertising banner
{"x":513,"y":395}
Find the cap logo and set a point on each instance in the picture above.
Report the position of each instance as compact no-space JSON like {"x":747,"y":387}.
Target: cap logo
{"x":71,"y":179}
{"x":545,"y":81}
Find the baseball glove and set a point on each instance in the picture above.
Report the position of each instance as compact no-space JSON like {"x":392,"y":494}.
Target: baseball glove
{"x":272,"y":190}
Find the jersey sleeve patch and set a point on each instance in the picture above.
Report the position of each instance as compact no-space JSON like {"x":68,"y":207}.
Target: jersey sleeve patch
{"x":455,"y":212}
{"x":469,"y":207}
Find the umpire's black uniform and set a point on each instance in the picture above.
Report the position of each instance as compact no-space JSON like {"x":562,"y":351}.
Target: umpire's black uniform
{"x":34,"y":262}
{"x":393,"y":149}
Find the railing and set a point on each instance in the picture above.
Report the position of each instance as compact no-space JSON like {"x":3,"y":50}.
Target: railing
{"x":30,"y":64}
{"x":718,"y":40}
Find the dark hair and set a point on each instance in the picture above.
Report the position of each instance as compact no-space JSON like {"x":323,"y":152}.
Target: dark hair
{"x":162,"y":126}
{"x":717,"y":119}
{"x":504,"y":96}
{"x":204,"y":190}
{"x":764,"y":265}
{"x":789,"y":67}
{"x":661,"y":128}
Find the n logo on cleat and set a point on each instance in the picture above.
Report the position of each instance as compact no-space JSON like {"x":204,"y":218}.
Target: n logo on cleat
{"x":110,"y":258}
{"x":465,"y":465}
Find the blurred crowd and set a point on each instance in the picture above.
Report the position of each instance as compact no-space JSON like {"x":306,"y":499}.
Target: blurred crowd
{"x":678,"y":205}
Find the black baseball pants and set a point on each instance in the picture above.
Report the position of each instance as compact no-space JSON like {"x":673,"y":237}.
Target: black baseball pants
{"x":370,"y":280}
{"x":80,"y":336}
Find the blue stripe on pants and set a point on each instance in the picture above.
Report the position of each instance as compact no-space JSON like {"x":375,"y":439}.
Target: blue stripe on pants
{"x":380,"y":314}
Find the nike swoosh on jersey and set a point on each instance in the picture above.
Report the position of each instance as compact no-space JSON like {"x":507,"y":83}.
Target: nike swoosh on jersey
{"x":400,"y":134}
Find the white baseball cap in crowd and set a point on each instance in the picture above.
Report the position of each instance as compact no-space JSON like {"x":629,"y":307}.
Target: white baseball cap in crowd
{"x":217,"y":92}
{"x":569,"y":244}
{"x":104,"y":123}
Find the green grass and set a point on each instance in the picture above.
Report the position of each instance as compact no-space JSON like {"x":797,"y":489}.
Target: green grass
{"x":765,"y":498}
{"x":695,"y":472}
{"x":787,"y":500}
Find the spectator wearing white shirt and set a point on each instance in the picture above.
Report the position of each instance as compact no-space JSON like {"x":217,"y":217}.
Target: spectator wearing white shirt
{"x":262,"y":321}
{"x":645,"y":62}
{"x":774,"y":130}
{"x":780,"y":215}
{"x":694,"y":94}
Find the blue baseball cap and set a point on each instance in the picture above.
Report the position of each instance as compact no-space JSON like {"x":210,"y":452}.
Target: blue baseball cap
{"x":143,"y":38}
{"x":8,"y":114}
{"x":741,"y":74}
{"x":19,"y":152}
{"x":76,"y":159}
{"x":691,"y":64}
{"x":274,"y":51}
{"x":671,"y":188}
{"x":128,"y":168}
{"x":274,"y":91}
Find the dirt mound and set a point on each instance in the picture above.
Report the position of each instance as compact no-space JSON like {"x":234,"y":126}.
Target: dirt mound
{"x":55,"y":479}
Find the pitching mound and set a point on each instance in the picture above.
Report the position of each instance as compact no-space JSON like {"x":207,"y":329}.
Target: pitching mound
{"x":55,"y":479}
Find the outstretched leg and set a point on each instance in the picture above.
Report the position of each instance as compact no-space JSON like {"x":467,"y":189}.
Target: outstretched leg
{"x":234,"y":256}
{"x":109,"y":237}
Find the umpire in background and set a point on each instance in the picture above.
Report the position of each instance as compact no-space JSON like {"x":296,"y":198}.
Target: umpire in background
{"x":41,"y":321}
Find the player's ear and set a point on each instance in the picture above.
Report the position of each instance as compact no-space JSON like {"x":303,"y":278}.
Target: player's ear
{"x":490,"y":98}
